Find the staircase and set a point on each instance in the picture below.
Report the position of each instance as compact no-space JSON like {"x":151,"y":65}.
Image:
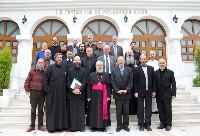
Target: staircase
{"x":186,"y":111}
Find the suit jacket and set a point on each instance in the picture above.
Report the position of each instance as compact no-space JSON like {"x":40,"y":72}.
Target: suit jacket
{"x":136,"y":55}
{"x":71,"y":47}
{"x":94,"y":46}
{"x":140,"y":81}
{"x":112,"y":62}
{"x":165,"y":86}
{"x":120,"y":82}
{"x":67,"y":64}
{"x":85,"y":65}
{"x":119,"y":51}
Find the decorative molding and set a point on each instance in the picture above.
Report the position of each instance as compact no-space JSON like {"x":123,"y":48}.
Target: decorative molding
{"x":27,"y":5}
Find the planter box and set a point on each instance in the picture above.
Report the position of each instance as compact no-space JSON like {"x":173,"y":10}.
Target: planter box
{"x":195,"y":92}
{"x":7,"y":95}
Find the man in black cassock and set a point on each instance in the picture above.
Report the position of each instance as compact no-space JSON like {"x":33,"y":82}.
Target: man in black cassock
{"x":132,"y":63}
{"x":76,"y":96}
{"x":98,"y":93}
{"x":56,"y":97}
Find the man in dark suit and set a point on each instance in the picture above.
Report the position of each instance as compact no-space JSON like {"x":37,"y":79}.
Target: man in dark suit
{"x":122,"y":83}
{"x":135,"y":53}
{"x":55,"y":48}
{"x":144,"y":88}
{"x":68,"y":62}
{"x":74,"y":48}
{"x":90,"y":43}
{"x":115,"y":50}
{"x":165,"y":92}
{"x":88,"y":63}
{"x":109,"y":62}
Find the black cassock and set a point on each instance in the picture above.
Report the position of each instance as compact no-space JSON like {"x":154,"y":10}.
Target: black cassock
{"x":133,"y":100}
{"x":95,"y":106}
{"x":76,"y":101}
{"x":56,"y":98}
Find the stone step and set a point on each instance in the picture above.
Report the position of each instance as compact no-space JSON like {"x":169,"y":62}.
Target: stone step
{"x":25,"y":117}
{"x":21,"y":97}
{"x":177,"y":107}
{"x":17,"y":117}
{"x":182,"y":95}
{"x":20,"y":102}
{"x":178,"y":115}
{"x":132,"y":125}
{"x":17,"y":109}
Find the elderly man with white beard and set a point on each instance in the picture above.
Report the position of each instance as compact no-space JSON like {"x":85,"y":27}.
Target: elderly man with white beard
{"x":98,"y":95}
{"x":131,"y":63}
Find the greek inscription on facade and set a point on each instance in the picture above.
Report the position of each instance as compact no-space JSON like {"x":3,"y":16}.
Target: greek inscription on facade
{"x":101,"y":11}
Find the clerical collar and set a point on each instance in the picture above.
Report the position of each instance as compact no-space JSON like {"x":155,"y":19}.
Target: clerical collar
{"x":162,"y":70}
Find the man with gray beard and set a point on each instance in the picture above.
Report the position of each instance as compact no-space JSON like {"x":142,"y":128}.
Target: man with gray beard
{"x":76,"y":83}
{"x":56,"y":97}
{"x":132,"y":63}
{"x":98,"y":95}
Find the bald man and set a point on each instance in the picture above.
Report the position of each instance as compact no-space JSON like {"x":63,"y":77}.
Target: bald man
{"x":76,"y":96}
{"x":55,"y":48}
{"x":144,"y":88}
{"x":74,"y":47}
{"x":165,"y":92}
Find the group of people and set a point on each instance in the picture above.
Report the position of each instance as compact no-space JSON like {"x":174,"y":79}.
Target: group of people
{"x":78,"y":81}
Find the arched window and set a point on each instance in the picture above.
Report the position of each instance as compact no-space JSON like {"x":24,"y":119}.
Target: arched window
{"x":8,"y":32}
{"x":45,"y":32}
{"x":100,"y":29}
{"x":191,"y":39}
{"x":149,"y":35}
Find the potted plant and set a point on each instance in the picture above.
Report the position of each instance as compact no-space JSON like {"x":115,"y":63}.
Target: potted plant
{"x":196,"y":80}
{"x":5,"y":68}
{"x":5,"y":71}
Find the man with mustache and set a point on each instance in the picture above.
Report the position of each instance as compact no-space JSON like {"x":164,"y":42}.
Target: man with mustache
{"x":55,"y":88}
{"x":132,"y":63}
{"x":98,"y":93}
{"x":76,"y":83}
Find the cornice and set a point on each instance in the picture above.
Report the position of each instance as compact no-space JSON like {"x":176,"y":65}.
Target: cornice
{"x":29,"y":5}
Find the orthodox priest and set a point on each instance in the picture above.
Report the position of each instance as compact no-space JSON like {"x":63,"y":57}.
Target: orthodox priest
{"x":98,"y":95}
{"x":55,"y":88}
{"x":76,"y":96}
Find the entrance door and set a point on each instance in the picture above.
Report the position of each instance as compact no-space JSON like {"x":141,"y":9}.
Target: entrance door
{"x":45,"y":32}
{"x":100,"y":29}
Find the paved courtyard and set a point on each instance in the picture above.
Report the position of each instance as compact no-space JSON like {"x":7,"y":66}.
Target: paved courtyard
{"x":176,"y":131}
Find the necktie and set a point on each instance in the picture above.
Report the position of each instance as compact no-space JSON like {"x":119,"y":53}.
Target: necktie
{"x":115,"y":51}
{"x":107,"y":65}
{"x":121,"y":69}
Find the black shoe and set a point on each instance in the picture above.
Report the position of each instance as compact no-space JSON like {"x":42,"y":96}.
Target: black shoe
{"x":103,"y":130}
{"x":82,"y":130}
{"x":127,"y":129}
{"x":148,"y":128}
{"x":50,"y":131}
{"x":168,"y":128}
{"x":93,"y":130}
{"x":160,"y":127}
{"x":118,"y":129}
{"x":141,"y":128}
